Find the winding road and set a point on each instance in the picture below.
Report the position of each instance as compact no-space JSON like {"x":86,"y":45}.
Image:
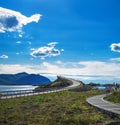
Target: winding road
{"x":108,"y":107}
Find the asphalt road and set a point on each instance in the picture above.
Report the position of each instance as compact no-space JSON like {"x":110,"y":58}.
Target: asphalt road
{"x":99,"y":102}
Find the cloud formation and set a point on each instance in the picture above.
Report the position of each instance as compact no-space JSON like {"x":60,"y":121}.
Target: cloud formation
{"x":14,"y":21}
{"x":18,"y":42}
{"x":115,"y":59}
{"x":4,"y":57}
{"x":115,"y":47}
{"x":46,"y":51}
{"x":106,"y":71}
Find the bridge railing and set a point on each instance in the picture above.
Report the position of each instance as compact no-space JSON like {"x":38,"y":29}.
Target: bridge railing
{"x":18,"y":93}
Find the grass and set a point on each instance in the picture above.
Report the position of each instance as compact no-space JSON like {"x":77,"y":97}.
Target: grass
{"x":60,"y":82}
{"x":114,"y":97}
{"x":61,"y":108}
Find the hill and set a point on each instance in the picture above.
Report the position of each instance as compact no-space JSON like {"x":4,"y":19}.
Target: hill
{"x":59,"y":82}
{"x":23,"y":79}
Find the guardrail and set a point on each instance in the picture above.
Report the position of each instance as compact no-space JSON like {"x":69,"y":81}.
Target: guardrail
{"x":21,"y":93}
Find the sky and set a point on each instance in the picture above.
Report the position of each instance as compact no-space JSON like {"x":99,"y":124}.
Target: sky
{"x":74,"y":38}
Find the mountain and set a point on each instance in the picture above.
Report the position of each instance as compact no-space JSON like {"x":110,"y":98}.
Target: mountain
{"x":23,"y":79}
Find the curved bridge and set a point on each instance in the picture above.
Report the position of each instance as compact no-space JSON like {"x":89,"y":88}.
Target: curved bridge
{"x":106,"y":106}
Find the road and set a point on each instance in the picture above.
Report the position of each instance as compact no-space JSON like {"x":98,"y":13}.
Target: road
{"x":99,"y":102}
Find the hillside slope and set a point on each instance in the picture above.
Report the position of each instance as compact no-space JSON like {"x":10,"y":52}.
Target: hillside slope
{"x":23,"y":79}
{"x":59,"y":82}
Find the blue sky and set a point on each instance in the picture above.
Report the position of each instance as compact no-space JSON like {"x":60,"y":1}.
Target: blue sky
{"x":74,"y":38}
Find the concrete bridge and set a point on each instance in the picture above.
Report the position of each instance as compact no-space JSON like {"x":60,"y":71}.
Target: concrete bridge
{"x":106,"y":106}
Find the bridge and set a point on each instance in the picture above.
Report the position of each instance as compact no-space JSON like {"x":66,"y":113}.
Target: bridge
{"x":106,"y":106}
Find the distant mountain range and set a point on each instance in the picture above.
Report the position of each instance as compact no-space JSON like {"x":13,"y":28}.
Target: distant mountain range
{"x":23,"y":79}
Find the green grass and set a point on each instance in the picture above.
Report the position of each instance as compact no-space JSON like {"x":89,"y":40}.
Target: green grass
{"x":61,"y":108}
{"x":60,"y":82}
{"x":114,"y":97}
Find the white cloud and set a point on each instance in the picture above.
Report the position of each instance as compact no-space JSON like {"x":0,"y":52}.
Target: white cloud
{"x":20,"y":35}
{"x":32,"y":49}
{"x":100,"y":68}
{"x":115,"y":47}
{"x":52,"y":44}
{"x":15,"y":68}
{"x":11,"y":20}
{"x":18,"y":42}
{"x":88,"y":70}
{"x":58,"y":62}
{"x":115,"y":59}
{"x":4,"y":56}
{"x":46,"y":51}
{"x":62,"y":50}
{"x":17,"y":53}
{"x":84,"y":68}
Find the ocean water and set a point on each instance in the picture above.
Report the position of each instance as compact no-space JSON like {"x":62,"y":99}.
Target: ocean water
{"x":16,"y":87}
{"x":100,"y":87}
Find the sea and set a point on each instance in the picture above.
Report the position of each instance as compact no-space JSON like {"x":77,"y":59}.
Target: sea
{"x":20,"y":87}
{"x":16,"y":87}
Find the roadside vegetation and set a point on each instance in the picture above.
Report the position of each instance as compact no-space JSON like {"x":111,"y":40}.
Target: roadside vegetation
{"x":61,"y":108}
{"x":114,"y":97}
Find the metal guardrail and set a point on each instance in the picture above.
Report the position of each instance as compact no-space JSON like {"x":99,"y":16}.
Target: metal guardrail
{"x":21,"y":93}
